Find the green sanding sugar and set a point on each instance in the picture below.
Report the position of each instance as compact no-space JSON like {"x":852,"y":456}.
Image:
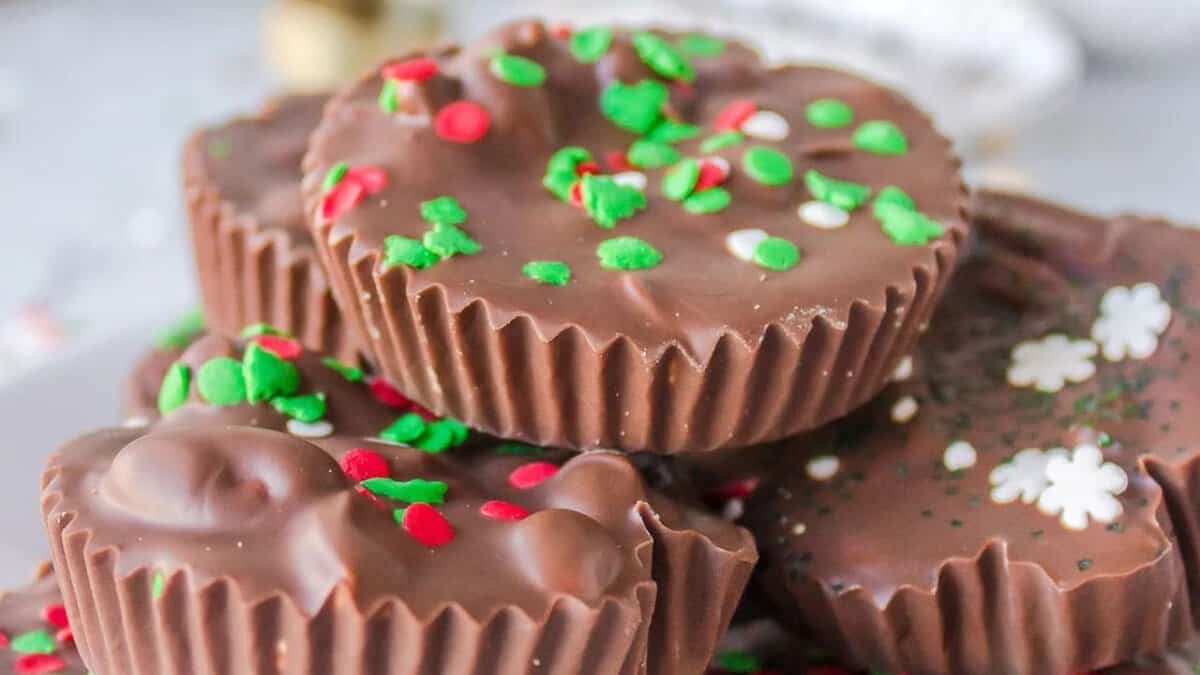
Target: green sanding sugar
{"x":306,"y":408}
{"x":566,"y":159}
{"x":389,"y":96}
{"x":406,"y":429}
{"x":349,"y":372}
{"x":776,"y":254}
{"x":768,"y":166}
{"x":648,"y":154}
{"x":173,"y":392}
{"x":881,"y":137}
{"x":842,"y":194}
{"x":560,"y":183}
{"x":662,"y":57}
{"x":220,"y":381}
{"x":518,"y":70}
{"x":712,"y":200}
{"x":334,"y":176}
{"x":634,"y":107}
{"x":627,"y":253}
{"x":892,"y":197}
{"x":38,"y":641}
{"x":910,"y":228}
{"x":400,"y":250}
{"x":722,"y":140}
{"x":549,"y":272}
{"x":415,"y":491}
{"x":670,"y":131}
{"x":608,"y":202}
{"x":437,"y":438}
{"x":266,"y":375}
{"x":589,"y":44}
{"x":444,"y":210}
{"x":829,"y":113}
{"x":700,"y":44}
{"x":680,"y":180}
{"x":448,"y":241}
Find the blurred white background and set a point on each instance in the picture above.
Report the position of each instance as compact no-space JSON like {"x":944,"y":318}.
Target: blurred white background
{"x":1096,"y":102}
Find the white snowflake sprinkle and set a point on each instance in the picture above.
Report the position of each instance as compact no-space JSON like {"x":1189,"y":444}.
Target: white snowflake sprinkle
{"x":822,"y":467}
{"x":1048,"y":364}
{"x":1131,"y":321}
{"x":904,"y":370}
{"x":136,"y":422}
{"x":904,"y":410}
{"x":959,"y":455}
{"x":1083,"y":485}
{"x":741,"y":243}
{"x":733,"y":509}
{"x":318,"y":429}
{"x":719,"y":162}
{"x":823,"y":215}
{"x":633,"y":179}
{"x":1023,"y":476}
{"x":766,"y":125}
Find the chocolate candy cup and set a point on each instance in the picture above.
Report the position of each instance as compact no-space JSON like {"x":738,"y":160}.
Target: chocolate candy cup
{"x":720,"y":343}
{"x":37,"y":639}
{"x":239,"y":550}
{"x":1025,"y":501}
{"x":254,"y":256}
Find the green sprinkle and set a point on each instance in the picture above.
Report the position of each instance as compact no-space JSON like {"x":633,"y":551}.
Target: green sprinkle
{"x":768,"y":165}
{"x":335,"y":176}
{"x":518,"y":449}
{"x":699,"y":44}
{"x":158,"y":585}
{"x":560,"y":184}
{"x":415,"y":491}
{"x":38,"y":641}
{"x":722,"y":140}
{"x":306,"y":408}
{"x":441,"y":435}
{"x":680,"y":180}
{"x":549,"y":272}
{"x":607,"y":201}
{"x":567,"y":159}
{"x":400,"y":250}
{"x":911,"y":228}
{"x":627,"y":253}
{"x":880,"y":137}
{"x":662,"y":57}
{"x":738,"y":662}
{"x":1105,"y":440}
{"x":444,"y":210}
{"x":220,"y":381}
{"x":670,"y":131}
{"x":256,"y":329}
{"x":266,"y":375}
{"x":890,"y":198}
{"x":389,"y":97}
{"x":829,"y":113}
{"x":183,"y":332}
{"x":406,"y":429}
{"x":518,"y":70}
{"x":173,"y":392}
{"x":349,"y":372}
{"x":398,"y":516}
{"x":589,"y":44}
{"x":842,"y":194}
{"x":776,"y":254}
{"x":458,"y":431}
{"x":448,"y":241}
{"x":712,"y":200}
{"x":648,"y":154}
{"x":634,"y":107}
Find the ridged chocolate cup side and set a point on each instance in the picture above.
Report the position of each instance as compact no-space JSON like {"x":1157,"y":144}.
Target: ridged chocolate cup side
{"x":501,"y":375}
{"x":249,"y":275}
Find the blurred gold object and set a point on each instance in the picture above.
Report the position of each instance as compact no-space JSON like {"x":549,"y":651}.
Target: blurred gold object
{"x":316,"y":45}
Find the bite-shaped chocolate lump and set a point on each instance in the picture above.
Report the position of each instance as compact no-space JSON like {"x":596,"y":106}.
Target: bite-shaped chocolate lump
{"x":1022,"y":499}
{"x":353,"y":557}
{"x":608,"y":239}
{"x":35,"y":635}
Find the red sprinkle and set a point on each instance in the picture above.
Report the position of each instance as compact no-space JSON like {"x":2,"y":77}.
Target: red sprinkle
{"x":385,"y":393}
{"x":285,"y":348}
{"x":711,"y":175}
{"x":501,"y":510}
{"x":360,"y":464}
{"x":462,"y":122}
{"x":532,"y":474}
{"x":35,"y":664}
{"x":65,"y":635}
{"x":341,"y":199}
{"x":371,"y":178}
{"x":587,"y":166}
{"x":413,"y":70}
{"x":4,"y":641}
{"x":562,"y":31}
{"x":375,"y":499}
{"x":55,"y":615}
{"x":732,"y":115}
{"x":429,"y":527}
{"x":617,"y":161}
{"x":736,"y":489}
{"x":577,"y":193}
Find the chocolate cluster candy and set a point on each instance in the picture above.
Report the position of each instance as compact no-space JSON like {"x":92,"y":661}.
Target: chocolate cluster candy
{"x":1022,"y":498}
{"x":35,"y":635}
{"x":254,"y":255}
{"x":241,"y":550}
{"x":632,"y":240}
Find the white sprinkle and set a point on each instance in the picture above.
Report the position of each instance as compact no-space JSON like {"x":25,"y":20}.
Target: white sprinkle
{"x":720,"y":162}
{"x":824,"y":216}
{"x":741,"y":243}
{"x":766,"y":125}
{"x":733,"y":509}
{"x":904,"y":410}
{"x":318,"y":429}
{"x":822,"y":467}
{"x":633,"y":179}
{"x":959,"y":455}
{"x":136,"y":422}
{"x":904,"y":370}
{"x":799,"y":529}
